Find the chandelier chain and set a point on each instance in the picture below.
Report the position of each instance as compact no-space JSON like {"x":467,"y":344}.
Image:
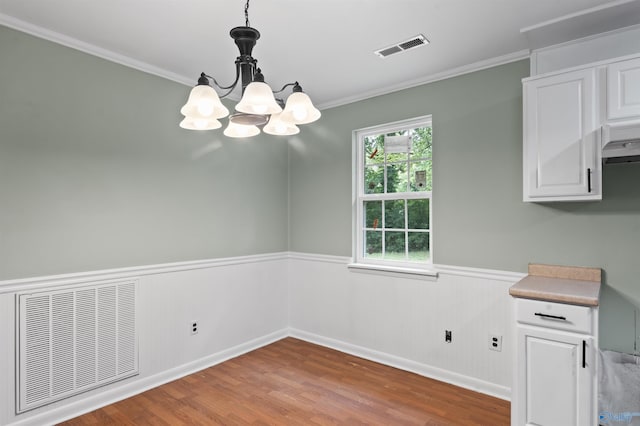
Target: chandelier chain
{"x":246,"y":13}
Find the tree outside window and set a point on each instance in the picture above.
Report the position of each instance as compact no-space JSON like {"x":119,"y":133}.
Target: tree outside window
{"x":394,"y":174}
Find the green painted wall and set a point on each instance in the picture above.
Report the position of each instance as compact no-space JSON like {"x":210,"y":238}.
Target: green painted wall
{"x":479,"y":218}
{"x":95,"y":172}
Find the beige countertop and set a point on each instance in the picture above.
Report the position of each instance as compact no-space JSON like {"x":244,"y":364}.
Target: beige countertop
{"x":563,"y":284}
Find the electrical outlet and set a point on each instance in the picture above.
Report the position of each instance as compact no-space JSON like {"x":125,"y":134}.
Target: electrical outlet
{"x":194,"y":327}
{"x":447,"y":336}
{"x":495,"y":342}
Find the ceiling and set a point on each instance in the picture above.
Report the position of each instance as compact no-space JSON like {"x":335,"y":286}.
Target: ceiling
{"x":326,"y":45}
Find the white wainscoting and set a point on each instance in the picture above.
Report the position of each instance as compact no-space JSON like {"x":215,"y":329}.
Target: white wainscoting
{"x":246,"y":302}
{"x":401,"y":321}
{"x":240,"y":304}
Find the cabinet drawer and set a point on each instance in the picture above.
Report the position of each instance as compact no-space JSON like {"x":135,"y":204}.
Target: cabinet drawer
{"x":578,"y":319}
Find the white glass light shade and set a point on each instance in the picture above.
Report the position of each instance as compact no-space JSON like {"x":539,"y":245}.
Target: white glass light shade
{"x":258,"y":99}
{"x":279,"y":126}
{"x":299,"y":109}
{"x":234,"y":130}
{"x":204,"y":101}
{"x":200,"y":123}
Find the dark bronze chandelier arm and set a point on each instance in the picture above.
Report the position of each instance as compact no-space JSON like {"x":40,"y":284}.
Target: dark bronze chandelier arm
{"x":285,"y":86}
{"x":230,"y":87}
{"x":227,"y":93}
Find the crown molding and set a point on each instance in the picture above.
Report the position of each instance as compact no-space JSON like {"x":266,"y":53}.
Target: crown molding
{"x":130,"y":62}
{"x":431,"y":78}
{"x":91,"y":49}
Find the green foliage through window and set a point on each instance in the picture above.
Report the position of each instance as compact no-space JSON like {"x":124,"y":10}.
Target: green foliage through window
{"x":395,"y":187}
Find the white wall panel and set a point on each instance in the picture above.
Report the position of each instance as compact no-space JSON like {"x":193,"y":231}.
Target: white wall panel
{"x":240,"y":304}
{"x":402,"y":321}
{"x":244,"y":303}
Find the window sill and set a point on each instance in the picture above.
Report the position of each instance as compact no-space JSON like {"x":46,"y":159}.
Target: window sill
{"x":396,"y":271}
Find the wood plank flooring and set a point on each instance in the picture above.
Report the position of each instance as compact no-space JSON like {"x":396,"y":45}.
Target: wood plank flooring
{"x":292,"y":382}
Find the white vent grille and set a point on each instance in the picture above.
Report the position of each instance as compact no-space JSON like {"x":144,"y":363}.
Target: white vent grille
{"x":75,"y":339}
{"x":403,"y":46}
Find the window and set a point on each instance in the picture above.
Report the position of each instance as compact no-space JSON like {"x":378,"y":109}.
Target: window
{"x":393,"y":194}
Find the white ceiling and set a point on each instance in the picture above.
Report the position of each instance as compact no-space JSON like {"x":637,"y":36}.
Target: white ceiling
{"x":327,"y":45}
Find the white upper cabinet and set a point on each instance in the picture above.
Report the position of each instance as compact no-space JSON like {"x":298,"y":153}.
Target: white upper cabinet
{"x":623,"y":90}
{"x":562,"y":155}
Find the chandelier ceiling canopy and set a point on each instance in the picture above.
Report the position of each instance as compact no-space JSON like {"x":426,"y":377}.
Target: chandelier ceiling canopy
{"x":258,"y":106}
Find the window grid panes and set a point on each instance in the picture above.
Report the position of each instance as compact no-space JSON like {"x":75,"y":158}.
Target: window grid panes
{"x":394,"y":193}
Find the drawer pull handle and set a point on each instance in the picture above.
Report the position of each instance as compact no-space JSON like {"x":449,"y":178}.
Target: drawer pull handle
{"x":584,"y":354}
{"x":539,"y":314}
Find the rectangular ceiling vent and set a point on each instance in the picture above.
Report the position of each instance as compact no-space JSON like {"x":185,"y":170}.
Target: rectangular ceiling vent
{"x":403,"y":46}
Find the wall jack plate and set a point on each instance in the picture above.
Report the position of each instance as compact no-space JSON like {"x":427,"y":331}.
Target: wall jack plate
{"x":495,"y":342}
{"x":447,"y":336}
{"x":194,"y":327}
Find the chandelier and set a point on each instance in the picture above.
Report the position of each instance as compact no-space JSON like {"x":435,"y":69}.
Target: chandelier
{"x":258,"y":106}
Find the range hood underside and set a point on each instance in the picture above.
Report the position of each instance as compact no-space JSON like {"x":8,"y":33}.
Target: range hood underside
{"x":621,"y":142}
{"x":622,"y":160}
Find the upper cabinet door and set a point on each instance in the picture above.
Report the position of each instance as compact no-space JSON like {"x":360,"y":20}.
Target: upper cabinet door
{"x":623,"y":89}
{"x":562,"y":159}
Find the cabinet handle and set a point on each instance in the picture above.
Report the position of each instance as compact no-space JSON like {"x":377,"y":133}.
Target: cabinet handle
{"x":584,"y":354}
{"x":589,"y":180}
{"x":550,"y":316}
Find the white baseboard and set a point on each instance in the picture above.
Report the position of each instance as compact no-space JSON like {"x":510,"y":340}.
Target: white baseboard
{"x":79,"y":405}
{"x":127,"y":390}
{"x":425,"y":370}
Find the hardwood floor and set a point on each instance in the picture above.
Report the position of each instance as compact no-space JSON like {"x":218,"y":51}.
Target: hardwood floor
{"x":292,"y":382}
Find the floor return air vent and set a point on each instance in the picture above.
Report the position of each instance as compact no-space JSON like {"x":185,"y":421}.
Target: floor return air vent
{"x":72,"y":340}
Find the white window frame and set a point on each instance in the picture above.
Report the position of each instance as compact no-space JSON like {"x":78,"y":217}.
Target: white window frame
{"x":359,"y":197}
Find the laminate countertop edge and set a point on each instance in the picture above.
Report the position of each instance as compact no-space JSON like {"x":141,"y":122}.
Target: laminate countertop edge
{"x":561,"y":290}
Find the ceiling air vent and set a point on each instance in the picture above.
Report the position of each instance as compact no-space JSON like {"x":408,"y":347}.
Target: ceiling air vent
{"x":411,"y":43}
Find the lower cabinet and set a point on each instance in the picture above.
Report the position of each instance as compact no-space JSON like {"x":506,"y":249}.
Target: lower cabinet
{"x":555,"y":374}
